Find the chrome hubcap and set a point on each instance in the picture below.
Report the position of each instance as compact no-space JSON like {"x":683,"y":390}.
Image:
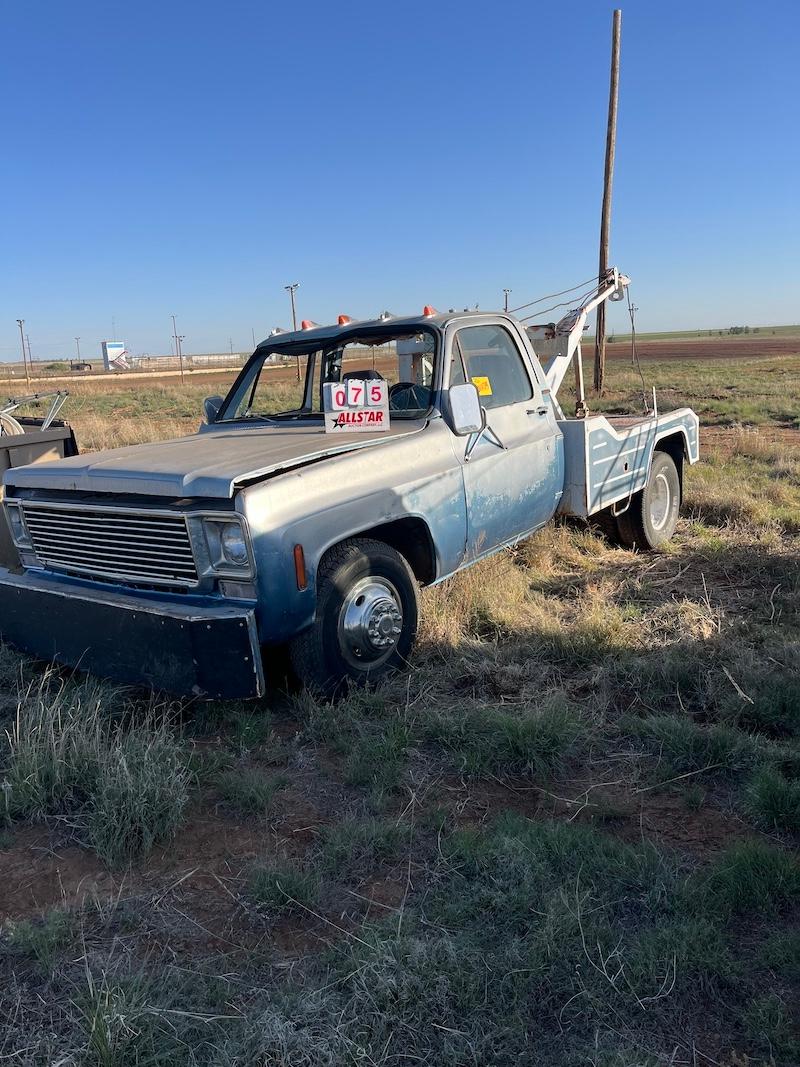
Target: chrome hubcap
{"x":370,"y":622}
{"x":660,"y":502}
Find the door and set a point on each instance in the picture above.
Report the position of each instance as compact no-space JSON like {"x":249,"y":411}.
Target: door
{"x":512,"y":470}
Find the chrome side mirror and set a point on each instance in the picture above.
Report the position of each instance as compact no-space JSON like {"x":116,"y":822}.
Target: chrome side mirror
{"x":211,"y":406}
{"x":466,"y":413}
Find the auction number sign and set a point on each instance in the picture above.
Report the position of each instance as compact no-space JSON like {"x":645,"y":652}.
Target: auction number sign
{"x":356,"y":405}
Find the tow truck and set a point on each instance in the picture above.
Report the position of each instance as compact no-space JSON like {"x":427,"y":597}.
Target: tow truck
{"x":174,"y":564}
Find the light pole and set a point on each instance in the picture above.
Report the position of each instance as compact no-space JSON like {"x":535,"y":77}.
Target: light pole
{"x":21,"y":323}
{"x":78,"y":346}
{"x":505,"y":299}
{"x":291,"y":289}
{"x":178,"y":351}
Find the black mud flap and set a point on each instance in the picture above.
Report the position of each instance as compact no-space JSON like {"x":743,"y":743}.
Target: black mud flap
{"x":178,"y":648}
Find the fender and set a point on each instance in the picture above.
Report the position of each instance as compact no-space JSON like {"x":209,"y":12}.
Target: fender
{"x":415,"y":485}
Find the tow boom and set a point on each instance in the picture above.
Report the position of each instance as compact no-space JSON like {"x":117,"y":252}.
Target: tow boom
{"x":557,"y":345}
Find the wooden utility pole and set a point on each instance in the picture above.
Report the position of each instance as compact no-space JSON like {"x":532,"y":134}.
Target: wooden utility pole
{"x":605,"y":222}
{"x":178,"y":349}
{"x":21,"y":323}
{"x":291,"y":290}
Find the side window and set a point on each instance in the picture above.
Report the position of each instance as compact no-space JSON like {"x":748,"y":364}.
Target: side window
{"x":494,"y":365}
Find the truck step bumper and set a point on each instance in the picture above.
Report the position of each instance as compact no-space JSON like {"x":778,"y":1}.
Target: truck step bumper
{"x":208,"y":652}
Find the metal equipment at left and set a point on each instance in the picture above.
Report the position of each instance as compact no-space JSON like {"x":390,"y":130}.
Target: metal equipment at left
{"x":28,"y":439}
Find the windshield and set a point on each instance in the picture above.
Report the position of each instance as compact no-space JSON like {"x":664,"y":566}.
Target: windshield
{"x":281,"y":385}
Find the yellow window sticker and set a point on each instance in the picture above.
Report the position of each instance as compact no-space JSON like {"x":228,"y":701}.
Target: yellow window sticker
{"x":483,"y":385}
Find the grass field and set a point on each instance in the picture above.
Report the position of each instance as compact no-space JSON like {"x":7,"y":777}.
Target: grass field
{"x":699,"y":335}
{"x":568,"y":836}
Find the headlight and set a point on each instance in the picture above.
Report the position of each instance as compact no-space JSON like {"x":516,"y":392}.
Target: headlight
{"x":234,"y":546}
{"x":227,"y":547}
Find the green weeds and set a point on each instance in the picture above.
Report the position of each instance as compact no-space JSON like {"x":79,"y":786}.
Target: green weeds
{"x":44,"y":939}
{"x":773,"y":800}
{"x":126,"y":784}
{"x":377,"y":759}
{"x":248,"y":789}
{"x":682,"y":745}
{"x":140,"y":794}
{"x":358,"y":845}
{"x":490,"y":741}
{"x":284,"y":886}
{"x":750,"y":877}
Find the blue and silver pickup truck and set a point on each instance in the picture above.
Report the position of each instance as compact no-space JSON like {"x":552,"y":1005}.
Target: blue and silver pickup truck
{"x":174,"y":564}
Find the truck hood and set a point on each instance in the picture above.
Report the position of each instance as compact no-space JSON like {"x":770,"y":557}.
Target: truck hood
{"x":212,"y":463}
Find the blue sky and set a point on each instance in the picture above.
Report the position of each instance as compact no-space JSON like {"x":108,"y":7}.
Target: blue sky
{"x":193,"y":158}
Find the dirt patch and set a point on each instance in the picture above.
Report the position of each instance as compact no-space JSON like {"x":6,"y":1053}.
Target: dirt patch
{"x":662,"y":817}
{"x":37,"y":874}
{"x":474,"y":802}
{"x":712,"y":348}
{"x":39,"y":871}
{"x":665,"y":819}
{"x":210,"y":841}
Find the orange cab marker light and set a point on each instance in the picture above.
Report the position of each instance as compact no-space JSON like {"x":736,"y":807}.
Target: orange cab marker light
{"x":307,"y":324}
{"x":344,"y":319}
{"x":428,"y":310}
{"x":300,"y":567}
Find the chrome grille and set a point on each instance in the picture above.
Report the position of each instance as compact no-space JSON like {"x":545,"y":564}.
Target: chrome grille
{"x":112,"y":543}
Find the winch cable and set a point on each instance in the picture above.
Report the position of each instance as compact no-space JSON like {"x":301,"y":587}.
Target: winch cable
{"x":551,"y":296}
{"x":634,"y":351}
{"x":575,"y":301}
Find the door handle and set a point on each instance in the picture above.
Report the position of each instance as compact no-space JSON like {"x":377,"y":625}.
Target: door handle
{"x":536,"y":411}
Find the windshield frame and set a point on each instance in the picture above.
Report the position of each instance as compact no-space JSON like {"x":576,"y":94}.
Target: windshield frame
{"x":314,"y":348}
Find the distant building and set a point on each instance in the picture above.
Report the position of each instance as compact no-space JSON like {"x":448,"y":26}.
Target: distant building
{"x":114,"y":355}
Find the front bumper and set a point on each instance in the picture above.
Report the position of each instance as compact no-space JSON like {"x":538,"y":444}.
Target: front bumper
{"x":209,"y":651}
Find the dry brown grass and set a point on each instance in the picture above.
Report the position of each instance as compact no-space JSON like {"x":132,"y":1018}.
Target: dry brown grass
{"x":116,"y":412}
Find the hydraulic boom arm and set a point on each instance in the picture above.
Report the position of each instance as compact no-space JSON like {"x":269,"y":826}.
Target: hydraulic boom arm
{"x":562,"y":342}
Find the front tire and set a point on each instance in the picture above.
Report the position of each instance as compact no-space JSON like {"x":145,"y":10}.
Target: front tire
{"x":651,"y":519}
{"x":366,"y":618}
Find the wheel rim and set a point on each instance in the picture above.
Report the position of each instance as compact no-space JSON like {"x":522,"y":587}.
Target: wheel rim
{"x":370,"y":623}
{"x":660,"y":501}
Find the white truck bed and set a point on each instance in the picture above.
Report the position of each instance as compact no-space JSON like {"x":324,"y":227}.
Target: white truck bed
{"x":607,"y":458}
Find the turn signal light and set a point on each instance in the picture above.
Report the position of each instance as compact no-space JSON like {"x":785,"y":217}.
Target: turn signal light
{"x":300,"y":567}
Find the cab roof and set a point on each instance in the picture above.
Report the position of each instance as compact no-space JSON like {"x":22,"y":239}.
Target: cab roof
{"x":315,"y":331}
